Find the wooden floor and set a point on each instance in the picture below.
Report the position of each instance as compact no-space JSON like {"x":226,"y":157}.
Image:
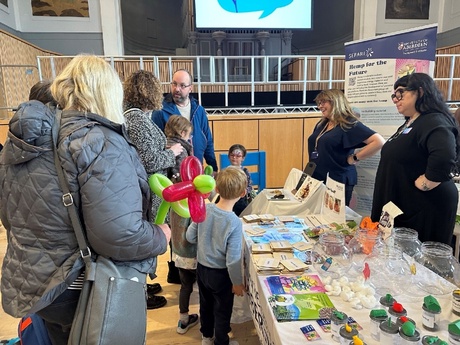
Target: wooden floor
{"x":161,"y":323}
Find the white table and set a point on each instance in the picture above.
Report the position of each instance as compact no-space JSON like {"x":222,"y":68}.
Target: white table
{"x":261,"y":204}
{"x":272,"y":332}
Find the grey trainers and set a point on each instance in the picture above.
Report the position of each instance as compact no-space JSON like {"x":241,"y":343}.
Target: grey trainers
{"x":192,"y":321}
{"x":233,"y":342}
{"x":207,"y":341}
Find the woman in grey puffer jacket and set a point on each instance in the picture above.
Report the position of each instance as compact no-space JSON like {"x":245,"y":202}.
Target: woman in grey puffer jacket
{"x":109,"y":187}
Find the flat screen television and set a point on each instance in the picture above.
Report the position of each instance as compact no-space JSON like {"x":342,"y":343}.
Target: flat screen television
{"x":253,"y":14}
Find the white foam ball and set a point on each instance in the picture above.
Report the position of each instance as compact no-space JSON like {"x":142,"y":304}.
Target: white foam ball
{"x":327,"y":280}
{"x":356,"y":286}
{"x":346,"y":295}
{"x":346,"y":288}
{"x":369,"y":290}
{"x":335,"y":283}
{"x":343,"y":280}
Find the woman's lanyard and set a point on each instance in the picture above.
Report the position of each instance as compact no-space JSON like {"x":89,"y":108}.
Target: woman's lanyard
{"x":315,"y":154}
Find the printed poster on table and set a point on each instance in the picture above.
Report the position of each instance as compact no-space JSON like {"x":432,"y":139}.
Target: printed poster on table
{"x":310,"y":306}
{"x":371,"y":68}
{"x":299,"y":284}
{"x":307,"y":189}
{"x":333,"y":207}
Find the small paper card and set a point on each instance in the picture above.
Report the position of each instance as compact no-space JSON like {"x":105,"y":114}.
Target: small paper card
{"x":353,"y":324}
{"x":255,"y":231}
{"x":325,"y":325}
{"x":267,"y":217}
{"x":310,"y":333}
{"x":251,"y":218}
{"x":302,"y":246}
{"x":256,"y":257}
{"x":268,"y":263}
{"x":281,"y":246}
{"x":261,"y":248}
{"x":294,"y":264}
{"x":286,"y":219}
{"x":283,"y":255}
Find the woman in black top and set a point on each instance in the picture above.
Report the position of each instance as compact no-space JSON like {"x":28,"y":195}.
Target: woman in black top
{"x":416,"y":162}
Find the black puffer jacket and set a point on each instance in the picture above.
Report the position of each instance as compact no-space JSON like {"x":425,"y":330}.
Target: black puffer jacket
{"x":109,"y":187}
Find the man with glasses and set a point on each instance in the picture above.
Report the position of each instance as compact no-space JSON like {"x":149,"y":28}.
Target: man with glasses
{"x":180,"y":102}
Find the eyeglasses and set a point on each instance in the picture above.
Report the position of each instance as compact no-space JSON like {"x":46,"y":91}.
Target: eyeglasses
{"x":182,"y":86}
{"x":322,"y":102}
{"x":398,"y":94}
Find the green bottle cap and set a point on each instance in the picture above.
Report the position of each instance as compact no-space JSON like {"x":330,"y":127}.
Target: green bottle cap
{"x":408,"y":328}
{"x":378,"y":313}
{"x":432,"y":304}
{"x":454,"y":327}
{"x":339,"y":315}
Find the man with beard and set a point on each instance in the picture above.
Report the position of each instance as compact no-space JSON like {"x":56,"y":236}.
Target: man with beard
{"x":180,"y":102}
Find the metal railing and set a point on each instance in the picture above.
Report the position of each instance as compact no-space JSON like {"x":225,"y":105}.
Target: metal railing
{"x":252,"y":75}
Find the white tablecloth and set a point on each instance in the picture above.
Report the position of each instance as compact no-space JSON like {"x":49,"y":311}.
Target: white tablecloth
{"x":261,"y":204}
{"x":272,"y":332}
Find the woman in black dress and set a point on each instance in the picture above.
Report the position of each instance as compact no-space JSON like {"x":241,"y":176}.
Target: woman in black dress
{"x":416,"y":162}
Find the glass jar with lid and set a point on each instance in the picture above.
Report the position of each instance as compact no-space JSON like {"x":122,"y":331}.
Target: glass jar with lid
{"x":406,"y":239}
{"x":438,"y":257}
{"x":331,"y":256}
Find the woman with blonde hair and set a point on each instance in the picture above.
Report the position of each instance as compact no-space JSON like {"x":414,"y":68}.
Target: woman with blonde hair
{"x":334,"y":140}
{"x":109,"y":187}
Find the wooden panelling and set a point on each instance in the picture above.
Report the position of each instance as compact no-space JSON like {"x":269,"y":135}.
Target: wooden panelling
{"x":227,"y":133}
{"x":18,"y":69}
{"x":283,"y":141}
{"x":3,"y":130}
{"x":282,"y":136}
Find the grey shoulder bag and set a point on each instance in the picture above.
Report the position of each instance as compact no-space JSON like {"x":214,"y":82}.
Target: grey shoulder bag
{"x":112,"y":307}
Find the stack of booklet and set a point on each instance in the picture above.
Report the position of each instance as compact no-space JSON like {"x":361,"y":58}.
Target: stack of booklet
{"x":258,"y":248}
{"x":293,"y":265}
{"x":268,"y":266}
{"x":281,"y":246}
{"x":255,"y":218}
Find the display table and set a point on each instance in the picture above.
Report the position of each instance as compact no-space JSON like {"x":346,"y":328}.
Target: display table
{"x":261,"y":204}
{"x":271,"y":331}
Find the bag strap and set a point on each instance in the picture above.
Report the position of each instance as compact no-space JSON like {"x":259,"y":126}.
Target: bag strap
{"x":67,"y":198}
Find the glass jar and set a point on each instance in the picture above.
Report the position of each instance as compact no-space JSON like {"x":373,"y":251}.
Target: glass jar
{"x":438,"y":258}
{"x":405,"y":239}
{"x":364,"y":241}
{"x":388,"y":271}
{"x":361,"y":245}
{"x":330,"y":255}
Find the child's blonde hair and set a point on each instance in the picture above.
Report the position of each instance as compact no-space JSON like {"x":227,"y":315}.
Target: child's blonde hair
{"x":231,"y":182}
{"x":176,"y":125}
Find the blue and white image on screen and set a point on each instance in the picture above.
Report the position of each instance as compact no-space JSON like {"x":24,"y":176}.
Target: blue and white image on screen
{"x":253,"y":14}
{"x":241,"y":6}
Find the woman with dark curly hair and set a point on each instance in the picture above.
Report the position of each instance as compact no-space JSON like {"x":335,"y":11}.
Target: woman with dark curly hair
{"x":416,"y":162}
{"x":142,"y":95}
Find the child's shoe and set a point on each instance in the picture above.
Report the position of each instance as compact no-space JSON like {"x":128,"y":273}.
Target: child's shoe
{"x":233,"y":342}
{"x":207,"y":341}
{"x":192,"y":321}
